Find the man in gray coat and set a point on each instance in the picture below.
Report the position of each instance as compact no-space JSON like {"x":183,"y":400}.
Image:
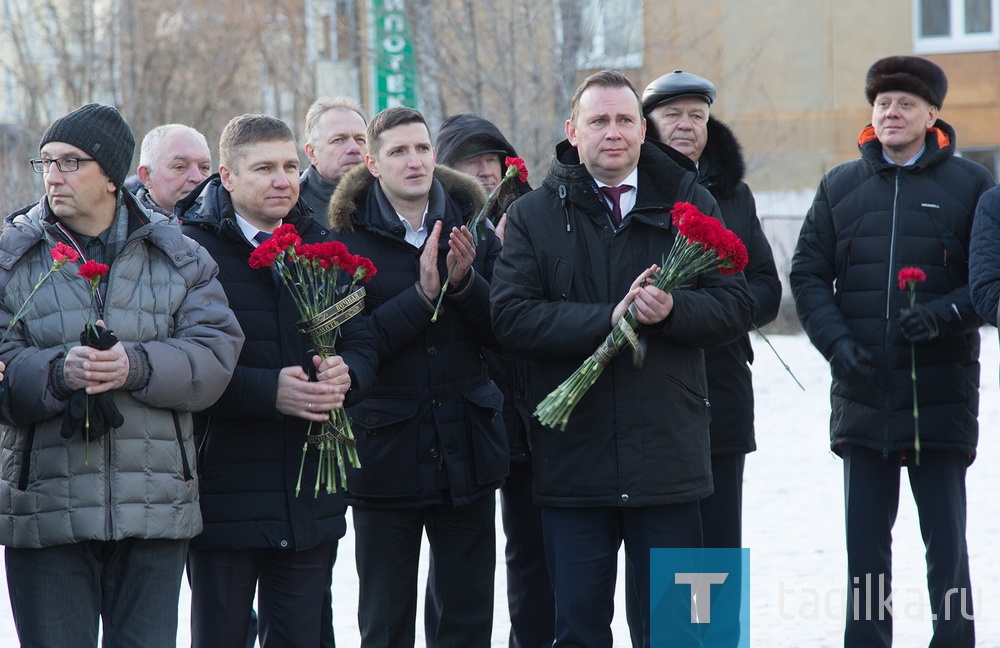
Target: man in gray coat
{"x":97,"y":510}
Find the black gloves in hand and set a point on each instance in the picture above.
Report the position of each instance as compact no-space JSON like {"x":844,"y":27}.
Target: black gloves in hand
{"x":103,"y":415}
{"x":850,"y":362}
{"x":919,"y":324}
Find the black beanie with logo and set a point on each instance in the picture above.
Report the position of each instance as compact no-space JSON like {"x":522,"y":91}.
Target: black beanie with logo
{"x":100,"y":132}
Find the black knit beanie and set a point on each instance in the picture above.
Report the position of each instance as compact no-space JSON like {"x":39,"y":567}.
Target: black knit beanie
{"x":100,"y":132}
{"x":911,"y":74}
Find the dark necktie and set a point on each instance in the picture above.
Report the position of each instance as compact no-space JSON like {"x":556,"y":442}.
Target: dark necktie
{"x":262,"y":236}
{"x":615,"y":194}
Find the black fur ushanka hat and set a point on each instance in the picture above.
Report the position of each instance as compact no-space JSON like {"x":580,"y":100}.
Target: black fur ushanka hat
{"x":911,"y":74}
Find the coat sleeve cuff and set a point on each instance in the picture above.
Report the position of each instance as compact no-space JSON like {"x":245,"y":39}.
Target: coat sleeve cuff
{"x":138,"y":370}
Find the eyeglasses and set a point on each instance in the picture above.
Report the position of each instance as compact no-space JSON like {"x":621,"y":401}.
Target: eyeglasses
{"x":66,"y":164}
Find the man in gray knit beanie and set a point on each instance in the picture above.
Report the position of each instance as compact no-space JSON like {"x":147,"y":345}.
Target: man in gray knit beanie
{"x":101,"y":133}
{"x":97,"y":513}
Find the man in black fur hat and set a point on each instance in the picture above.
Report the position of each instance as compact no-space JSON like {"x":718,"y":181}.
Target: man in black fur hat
{"x":907,"y":203}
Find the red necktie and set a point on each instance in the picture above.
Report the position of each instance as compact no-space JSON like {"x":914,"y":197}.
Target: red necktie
{"x":615,"y":194}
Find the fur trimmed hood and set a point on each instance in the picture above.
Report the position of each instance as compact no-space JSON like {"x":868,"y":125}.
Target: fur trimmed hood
{"x":722,"y":166}
{"x":343,"y":214}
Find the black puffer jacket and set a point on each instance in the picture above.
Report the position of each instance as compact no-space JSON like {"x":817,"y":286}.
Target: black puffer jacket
{"x":638,"y":438}
{"x":870,"y":219}
{"x":984,"y":265}
{"x":431,"y":427}
{"x":730,"y":383}
{"x":249,"y":453}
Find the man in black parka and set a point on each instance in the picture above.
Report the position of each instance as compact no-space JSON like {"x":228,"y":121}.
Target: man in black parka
{"x":259,"y":536}
{"x":431,"y":438}
{"x":908,"y":202}
{"x":634,"y":459}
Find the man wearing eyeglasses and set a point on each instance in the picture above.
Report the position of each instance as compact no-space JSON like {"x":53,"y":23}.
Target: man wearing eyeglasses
{"x":97,"y":510}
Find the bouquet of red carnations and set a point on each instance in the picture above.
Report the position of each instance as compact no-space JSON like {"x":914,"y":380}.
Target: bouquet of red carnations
{"x":702,"y":243}
{"x":324,"y":280}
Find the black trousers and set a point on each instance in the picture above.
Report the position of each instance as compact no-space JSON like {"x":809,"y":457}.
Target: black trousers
{"x":459,"y":598}
{"x":871,"y":499}
{"x":721,"y":527}
{"x":289,"y":586}
{"x":529,"y":591}
{"x":581,"y":550}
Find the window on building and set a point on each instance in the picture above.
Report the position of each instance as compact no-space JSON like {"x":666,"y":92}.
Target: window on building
{"x":611,"y":34}
{"x":989,"y":157}
{"x":955,"y":26}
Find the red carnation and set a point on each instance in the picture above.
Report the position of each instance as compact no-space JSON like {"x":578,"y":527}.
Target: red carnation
{"x":366,"y":269}
{"x":517,"y":163}
{"x":910,"y":277}
{"x":63,"y":254}
{"x":92,"y":271}
{"x":265,"y":254}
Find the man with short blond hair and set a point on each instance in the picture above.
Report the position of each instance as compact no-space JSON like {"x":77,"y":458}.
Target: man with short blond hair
{"x":260,"y":537}
{"x":173,"y":160}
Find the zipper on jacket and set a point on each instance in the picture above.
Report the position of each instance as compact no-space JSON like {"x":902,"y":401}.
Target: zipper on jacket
{"x":185,"y":465}
{"x":886,"y":415}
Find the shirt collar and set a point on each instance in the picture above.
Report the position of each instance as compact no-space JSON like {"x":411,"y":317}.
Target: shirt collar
{"x":249,"y":231}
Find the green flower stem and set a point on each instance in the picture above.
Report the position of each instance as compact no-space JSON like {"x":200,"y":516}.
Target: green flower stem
{"x":913,"y":379}
{"x":916,"y":413}
{"x":472,"y":225}
{"x":684,"y":262}
{"x":778,"y":356}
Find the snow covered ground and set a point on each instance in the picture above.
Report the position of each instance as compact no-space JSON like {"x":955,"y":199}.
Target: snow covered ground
{"x":793,"y":514}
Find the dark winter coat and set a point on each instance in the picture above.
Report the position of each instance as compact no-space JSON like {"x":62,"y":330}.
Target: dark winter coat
{"x":249,"y":452}
{"x":870,"y":219}
{"x":431,"y":426}
{"x":730,"y":384}
{"x":314,"y":196}
{"x":638,"y":438}
{"x":984,"y":264}
{"x":508,"y":372}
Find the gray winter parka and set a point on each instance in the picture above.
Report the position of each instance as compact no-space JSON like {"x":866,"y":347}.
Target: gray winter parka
{"x":164,"y":303}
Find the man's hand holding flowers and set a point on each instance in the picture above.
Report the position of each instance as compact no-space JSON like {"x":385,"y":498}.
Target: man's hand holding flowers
{"x":95,"y":370}
{"x":313,"y":400}
{"x":652,"y":305}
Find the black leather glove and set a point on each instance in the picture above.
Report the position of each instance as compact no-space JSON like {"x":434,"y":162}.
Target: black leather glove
{"x":101,"y":415}
{"x":850,"y":362}
{"x":919,"y":324}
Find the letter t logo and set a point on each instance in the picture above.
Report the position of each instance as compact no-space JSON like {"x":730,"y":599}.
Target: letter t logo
{"x":701,"y":590}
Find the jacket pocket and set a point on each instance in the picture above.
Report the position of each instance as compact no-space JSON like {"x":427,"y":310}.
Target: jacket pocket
{"x":185,"y":462}
{"x":29,"y":443}
{"x":490,"y":449}
{"x":561,"y":282}
{"x":387,"y":435}
{"x":699,"y":403}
